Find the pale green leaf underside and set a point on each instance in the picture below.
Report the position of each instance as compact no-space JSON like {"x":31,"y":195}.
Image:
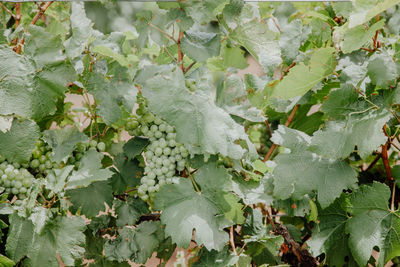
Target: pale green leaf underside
{"x":302,"y":78}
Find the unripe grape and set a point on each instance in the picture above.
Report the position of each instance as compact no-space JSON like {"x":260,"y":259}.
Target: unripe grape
{"x":158,"y":151}
{"x":93,"y":143}
{"x":154,"y":128}
{"x":158,"y":121}
{"x":158,"y":134}
{"x":42,"y":159}
{"x":101,"y":146}
{"x":167,"y":151}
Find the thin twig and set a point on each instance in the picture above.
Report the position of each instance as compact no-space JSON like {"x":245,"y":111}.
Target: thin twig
{"x":289,"y":120}
{"x":376,"y":159}
{"x":161,"y":31}
{"x":17,"y":14}
{"x":38,"y":15}
{"x":180,"y":54}
{"x":40,"y":12}
{"x":7,"y":10}
{"x":171,"y":56}
{"x":232,"y":241}
{"x":268,"y":127}
{"x":189,"y":67}
{"x":276,"y":23}
{"x":386,"y":164}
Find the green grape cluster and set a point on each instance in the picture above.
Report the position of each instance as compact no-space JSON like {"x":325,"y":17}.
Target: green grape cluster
{"x":15,"y":179}
{"x":81,"y":148}
{"x":41,"y":159}
{"x":132,"y":124}
{"x":164,"y":156}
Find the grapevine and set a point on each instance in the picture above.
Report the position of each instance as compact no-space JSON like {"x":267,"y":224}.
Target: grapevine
{"x":193,"y":133}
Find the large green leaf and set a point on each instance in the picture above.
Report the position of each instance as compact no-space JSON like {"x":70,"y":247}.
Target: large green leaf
{"x":185,"y":210}
{"x":300,"y":172}
{"x":203,"y":11}
{"x":17,"y":144}
{"x":329,"y":235}
{"x":373,"y":224}
{"x":63,"y":142}
{"x":90,"y":170}
{"x":135,"y":244}
{"x":128,"y":212}
{"x":302,"y":78}
{"x":232,"y":97}
{"x":112,"y":95}
{"x":200,"y":125}
{"x":364,"y":10}
{"x":91,"y":199}
{"x":61,"y":238}
{"x":356,"y":37}
{"x":362,"y":129}
{"x":261,"y":42}
{"x":382,"y":69}
{"x":200,"y":46}
{"x":29,"y":90}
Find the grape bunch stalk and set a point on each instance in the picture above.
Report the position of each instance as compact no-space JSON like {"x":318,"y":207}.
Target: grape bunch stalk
{"x":164,"y":156}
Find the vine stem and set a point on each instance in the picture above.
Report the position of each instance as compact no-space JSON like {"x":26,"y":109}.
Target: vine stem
{"x":41,"y":10}
{"x":17,"y":14}
{"x":386,"y":164}
{"x":232,"y":243}
{"x":180,"y":54}
{"x":287,"y":123}
{"x":7,"y":10}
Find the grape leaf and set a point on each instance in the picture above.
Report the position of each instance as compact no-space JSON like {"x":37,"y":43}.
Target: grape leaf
{"x":185,"y":210}
{"x":201,"y":126}
{"x":260,"y":42}
{"x":300,"y":172}
{"x":19,"y":237}
{"x":253,"y":192}
{"x":135,"y":146}
{"x":382,"y":69}
{"x":128,"y":212}
{"x":264,"y":249}
{"x":356,"y":37}
{"x":232,"y":97}
{"x":29,"y":89}
{"x":329,"y":235}
{"x":373,"y":224}
{"x":90,"y":170}
{"x":215,"y":258}
{"x":82,"y":31}
{"x":56,"y":178}
{"x":136,"y":244}
{"x":91,"y":199}
{"x":129,"y":174}
{"x":364,"y":130}
{"x":17,"y":144}
{"x":364,"y":10}
{"x":302,"y":78}
{"x":290,"y":40}
{"x":203,"y":11}
{"x":63,"y":142}
{"x":112,"y":95}
{"x":200,"y":46}
{"x":62,"y":237}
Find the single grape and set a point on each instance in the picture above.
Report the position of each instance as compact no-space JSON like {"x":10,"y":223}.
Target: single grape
{"x":101,"y":146}
{"x":162,"y":127}
{"x":93,"y":143}
{"x":158,"y":121}
{"x":169,"y":129}
{"x":42,"y":159}
{"x":167,"y":151}
{"x":158,"y":134}
{"x":158,"y":151}
{"x":154,"y":128}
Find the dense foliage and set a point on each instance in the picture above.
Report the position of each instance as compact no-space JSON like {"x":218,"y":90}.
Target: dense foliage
{"x":176,"y":145}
